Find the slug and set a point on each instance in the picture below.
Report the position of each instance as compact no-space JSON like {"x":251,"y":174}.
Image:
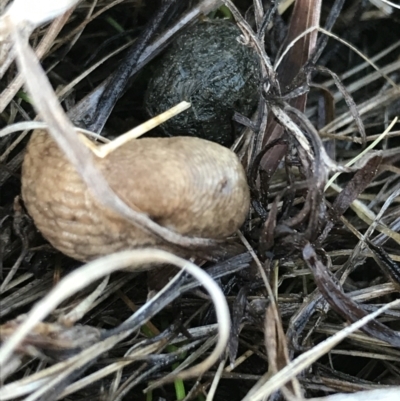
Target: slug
{"x":209,"y":68}
{"x":189,"y":185}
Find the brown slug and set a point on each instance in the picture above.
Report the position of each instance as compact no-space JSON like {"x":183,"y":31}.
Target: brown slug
{"x":191,"y":186}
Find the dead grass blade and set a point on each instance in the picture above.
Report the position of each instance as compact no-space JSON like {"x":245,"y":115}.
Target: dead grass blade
{"x":307,"y":358}
{"x":94,"y":270}
{"x":342,"y":304}
{"x":43,"y":47}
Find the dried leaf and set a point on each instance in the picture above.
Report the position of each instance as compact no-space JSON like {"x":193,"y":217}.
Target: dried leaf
{"x":385,"y":262}
{"x":305,"y":14}
{"x":277,"y":350}
{"x":361,"y":179}
{"x":54,"y":340}
{"x":342,"y":304}
{"x":238,"y":313}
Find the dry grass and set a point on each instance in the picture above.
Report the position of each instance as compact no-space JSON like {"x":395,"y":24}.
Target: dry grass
{"x":312,"y":279}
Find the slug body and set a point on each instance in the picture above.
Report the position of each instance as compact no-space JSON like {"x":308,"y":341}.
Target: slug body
{"x":191,"y":186}
{"x":209,"y":68}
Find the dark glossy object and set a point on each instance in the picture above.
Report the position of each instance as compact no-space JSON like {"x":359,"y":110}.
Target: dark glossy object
{"x":208,"y":67}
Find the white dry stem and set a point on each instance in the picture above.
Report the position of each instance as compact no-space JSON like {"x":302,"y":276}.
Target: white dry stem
{"x":76,"y":363}
{"x":35,"y":381}
{"x":284,"y":5}
{"x":23,"y":12}
{"x":108,"y":370}
{"x":308,"y":358}
{"x":349,"y":45}
{"x":104,"y":150}
{"x":117,"y":366}
{"x":294,"y":129}
{"x":380,"y":214}
{"x":97,"y":269}
{"x":193,"y":356}
{"x":364,"y":80}
{"x":349,"y":73}
{"x":65,"y":90}
{"x":387,"y":10}
{"x":361,"y":154}
{"x":374,"y":103}
{"x":32,"y":125}
{"x":384,"y":394}
{"x":215,"y":382}
{"x":361,"y":54}
{"x":292,"y":43}
{"x":239,"y":360}
{"x":84,"y":306}
{"x":42,"y":48}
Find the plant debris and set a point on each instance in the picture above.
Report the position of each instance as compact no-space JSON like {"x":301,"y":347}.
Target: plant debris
{"x":312,"y":278}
